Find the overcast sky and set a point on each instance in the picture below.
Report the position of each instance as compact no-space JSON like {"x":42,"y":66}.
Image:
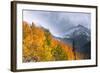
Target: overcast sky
{"x":57,"y":23}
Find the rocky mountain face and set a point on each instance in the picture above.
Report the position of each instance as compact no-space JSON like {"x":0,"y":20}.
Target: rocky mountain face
{"x":80,"y":38}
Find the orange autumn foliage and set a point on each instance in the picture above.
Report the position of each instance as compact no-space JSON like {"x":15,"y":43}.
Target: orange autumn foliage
{"x":39,"y":45}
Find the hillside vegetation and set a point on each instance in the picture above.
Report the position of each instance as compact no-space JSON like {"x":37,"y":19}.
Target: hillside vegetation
{"x":39,"y":45}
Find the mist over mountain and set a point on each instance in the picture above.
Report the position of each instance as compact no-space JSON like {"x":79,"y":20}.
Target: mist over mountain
{"x":57,"y":22}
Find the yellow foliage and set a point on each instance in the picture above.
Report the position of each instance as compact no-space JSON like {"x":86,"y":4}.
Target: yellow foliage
{"x":39,"y":45}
